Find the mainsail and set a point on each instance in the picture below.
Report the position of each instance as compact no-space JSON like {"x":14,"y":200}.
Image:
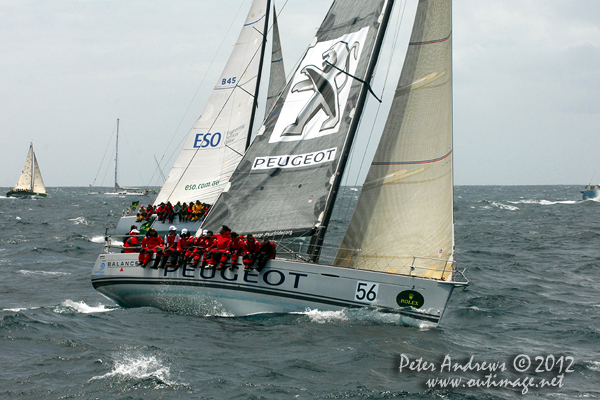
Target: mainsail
{"x":403,"y":221}
{"x":218,"y":139}
{"x":31,"y":177}
{"x":283,"y":183}
{"x":277,"y":76}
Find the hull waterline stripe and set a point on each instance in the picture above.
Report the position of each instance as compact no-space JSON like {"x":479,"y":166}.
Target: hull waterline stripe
{"x":236,"y":287}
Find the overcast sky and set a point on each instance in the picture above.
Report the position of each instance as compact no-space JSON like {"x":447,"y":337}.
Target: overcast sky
{"x":526,"y":84}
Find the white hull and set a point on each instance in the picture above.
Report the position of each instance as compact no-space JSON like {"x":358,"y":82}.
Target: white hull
{"x":281,"y":287}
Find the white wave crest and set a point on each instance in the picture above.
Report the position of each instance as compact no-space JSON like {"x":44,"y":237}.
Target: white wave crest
{"x":545,"y":202}
{"x":18,"y":218}
{"x":80,"y":307}
{"x":504,"y":206}
{"x":139,"y":367}
{"x":29,"y":272}
{"x":79,"y":221}
{"x":593,"y":365}
{"x":324,"y":317}
{"x":100,"y":239}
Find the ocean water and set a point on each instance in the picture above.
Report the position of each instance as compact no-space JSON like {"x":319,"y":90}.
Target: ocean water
{"x":532,"y":312}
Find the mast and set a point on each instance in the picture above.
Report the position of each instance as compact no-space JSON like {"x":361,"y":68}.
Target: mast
{"x":260,"y":66}
{"x":317,"y":240}
{"x":117,"y":156}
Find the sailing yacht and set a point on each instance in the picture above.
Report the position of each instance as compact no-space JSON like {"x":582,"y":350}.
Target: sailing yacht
{"x":219,"y":138}
{"x":30,"y":182}
{"x":120,"y":190}
{"x":398,"y":251}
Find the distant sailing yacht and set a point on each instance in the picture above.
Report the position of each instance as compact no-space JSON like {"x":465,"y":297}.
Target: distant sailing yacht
{"x":119,"y":190}
{"x":398,"y":252}
{"x":30,"y":182}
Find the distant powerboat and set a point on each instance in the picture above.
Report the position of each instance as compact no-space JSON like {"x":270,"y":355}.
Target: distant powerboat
{"x":591,"y":192}
{"x":30,"y":182}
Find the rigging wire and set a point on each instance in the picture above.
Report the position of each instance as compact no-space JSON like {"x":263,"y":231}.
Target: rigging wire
{"x":103,"y":157}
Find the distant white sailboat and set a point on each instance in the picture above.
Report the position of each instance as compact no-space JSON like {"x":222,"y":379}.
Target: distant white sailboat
{"x":30,"y":182}
{"x":398,"y":252}
{"x":119,"y":190}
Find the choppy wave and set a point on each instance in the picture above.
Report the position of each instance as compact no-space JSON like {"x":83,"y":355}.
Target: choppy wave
{"x":80,"y":221}
{"x":100,"y":239}
{"x":29,"y":272}
{"x":367,"y":316}
{"x":69,"y":306}
{"x":505,"y":206}
{"x":593,"y":365}
{"x":140,"y":368}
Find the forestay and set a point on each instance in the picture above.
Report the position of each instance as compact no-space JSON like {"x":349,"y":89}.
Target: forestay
{"x":218,"y":139}
{"x":282,"y":184}
{"x":404,"y":216}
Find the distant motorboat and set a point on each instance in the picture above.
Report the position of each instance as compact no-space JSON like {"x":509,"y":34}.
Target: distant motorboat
{"x":591,"y":192}
{"x":30,"y":182}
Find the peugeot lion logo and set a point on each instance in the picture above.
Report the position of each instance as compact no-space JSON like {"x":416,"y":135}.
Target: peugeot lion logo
{"x":323,"y":82}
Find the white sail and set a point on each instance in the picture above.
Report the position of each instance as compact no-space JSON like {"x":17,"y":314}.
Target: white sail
{"x":26,"y":177}
{"x":31,"y":178}
{"x":218,"y":140}
{"x":403,"y":222}
{"x":38,"y":182}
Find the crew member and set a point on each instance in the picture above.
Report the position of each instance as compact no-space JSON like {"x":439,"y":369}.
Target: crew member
{"x":150,"y":244}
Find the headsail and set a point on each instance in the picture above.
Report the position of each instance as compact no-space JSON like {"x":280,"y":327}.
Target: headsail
{"x":38,"y":182}
{"x":405,"y":209}
{"x":284,"y":180}
{"x":26,"y":178}
{"x":277,"y":76}
{"x":218,"y":139}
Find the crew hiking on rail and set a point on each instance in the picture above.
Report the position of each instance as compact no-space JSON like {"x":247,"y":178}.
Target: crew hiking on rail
{"x":206,"y":251}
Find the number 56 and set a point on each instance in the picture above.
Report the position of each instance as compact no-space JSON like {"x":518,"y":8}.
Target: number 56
{"x":366,"y":292}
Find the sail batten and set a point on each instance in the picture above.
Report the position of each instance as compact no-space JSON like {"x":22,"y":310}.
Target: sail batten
{"x":405,"y":210}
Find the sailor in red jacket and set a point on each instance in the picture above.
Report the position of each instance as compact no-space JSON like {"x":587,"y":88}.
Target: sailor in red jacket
{"x":150,"y":244}
{"x":184,"y":246}
{"x":267,"y":252}
{"x":132,"y":244}
{"x":219,"y":246}
{"x":251,"y":248}
{"x":171,"y":241}
{"x":202,"y":245}
{"x":234,"y":249}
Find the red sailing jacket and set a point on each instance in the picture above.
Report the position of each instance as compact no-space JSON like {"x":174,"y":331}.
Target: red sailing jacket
{"x":131,"y":242}
{"x":251,"y":246}
{"x":236,"y":245}
{"x":150,"y":242}
{"x":268,"y":249}
{"x":171,"y":240}
{"x":185,"y":242}
{"x":222,"y":240}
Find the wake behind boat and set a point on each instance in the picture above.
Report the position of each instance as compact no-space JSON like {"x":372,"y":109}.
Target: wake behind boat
{"x":30,"y":182}
{"x":398,"y":251}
